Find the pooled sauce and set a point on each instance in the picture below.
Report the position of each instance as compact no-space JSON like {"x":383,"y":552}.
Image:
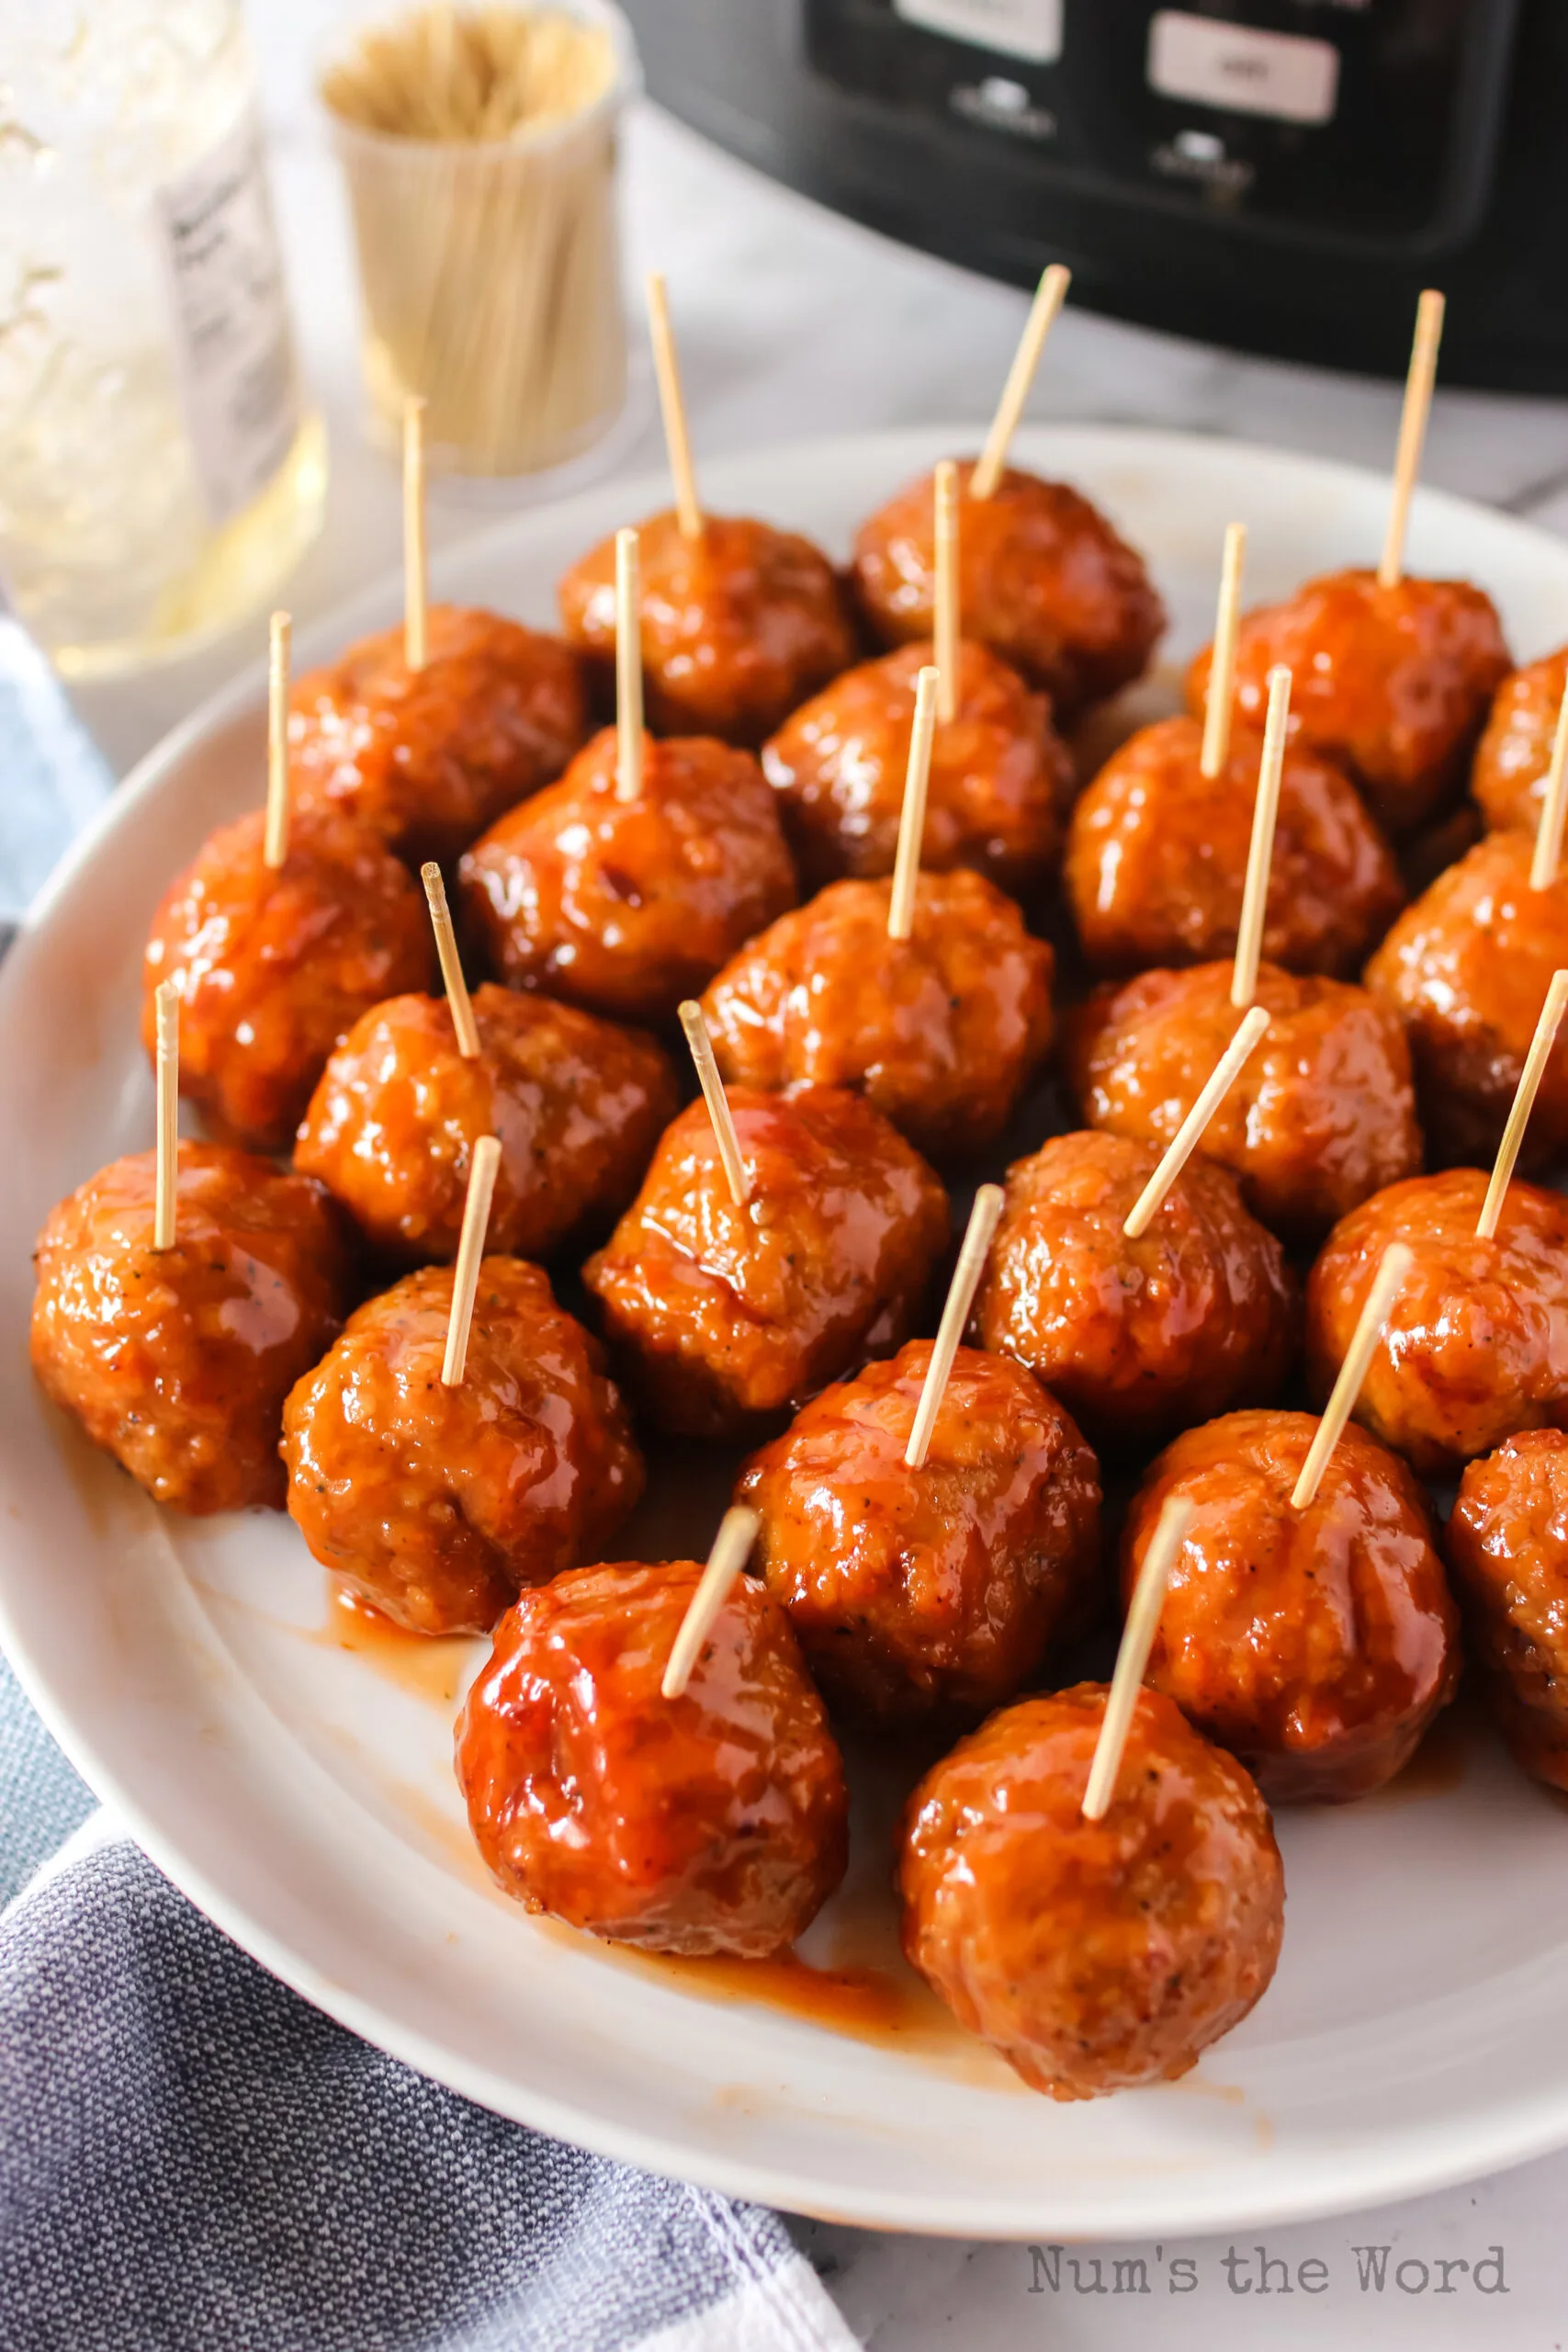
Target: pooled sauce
{"x":874,"y":2004}
{"x":426,"y":1666}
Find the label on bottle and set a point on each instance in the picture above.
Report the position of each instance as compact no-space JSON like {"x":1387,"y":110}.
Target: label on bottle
{"x":233,"y":346}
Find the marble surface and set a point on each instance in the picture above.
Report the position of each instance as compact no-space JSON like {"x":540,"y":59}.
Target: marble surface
{"x":793,"y":323}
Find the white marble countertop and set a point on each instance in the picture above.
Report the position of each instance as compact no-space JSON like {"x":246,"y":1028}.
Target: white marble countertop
{"x":793,"y":323}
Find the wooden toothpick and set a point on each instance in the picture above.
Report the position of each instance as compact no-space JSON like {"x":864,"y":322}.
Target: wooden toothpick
{"x":1137,"y":1640}
{"x":1418,"y":406}
{"x":1049,"y":297}
{"x":471,"y":1251}
{"x":274,"y":838}
{"x":416,"y":563}
{"x":966,"y":1281}
{"x":1387,"y":1282}
{"x":945,"y":600}
{"x":1260,"y":850}
{"x":628,"y":666}
{"x":1548,"y":853}
{"x":465,"y":1027}
{"x":672,"y":406}
{"x":718,"y":1101}
{"x":1189,"y":1133}
{"x":1217,"y":709}
{"x":1503,"y":1167}
{"x":731,"y":1550}
{"x":167,"y":1004}
{"x":912,"y":818}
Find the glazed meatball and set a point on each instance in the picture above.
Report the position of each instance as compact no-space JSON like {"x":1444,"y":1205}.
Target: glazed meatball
{"x":576,"y":1104}
{"x":1136,"y":1337}
{"x":1322,"y":1114}
{"x":716,"y":1822}
{"x":273,"y":968}
{"x":1318,"y":1644}
{"x":1467,"y":969}
{"x":1507,"y":1545}
{"x":1157,"y":859}
{"x":1394,"y":683}
{"x":428,"y":758}
{"x":1043,"y":581}
{"x":930,"y":1593}
{"x":999,"y":774}
{"x":625,"y":908}
{"x":737,"y":626}
{"x":1508,"y":780}
{"x":1476,"y":1344}
{"x":1095,"y":1955}
{"x":177,"y":1361}
{"x":942,"y":1031}
{"x":728,"y":1317}
{"x":436,"y":1505}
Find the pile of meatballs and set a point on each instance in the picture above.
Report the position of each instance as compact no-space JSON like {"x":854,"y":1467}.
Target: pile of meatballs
{"x":287,"y":1352}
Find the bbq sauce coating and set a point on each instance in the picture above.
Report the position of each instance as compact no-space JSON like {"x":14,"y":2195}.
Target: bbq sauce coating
{"x":1322,"y":1114}
{"x":576,"y":1104}
{"x":1475,"y":1348}
{"x":930,"y":1593}
{"x":1467,"y":969}
{"x":1000,"y":776}
{"x":273,"y":969}
{"x":1508,"y":1546}
{"x":428,"y":758}
{"x":1317,"y":1643}
{"x":436,"y":1504}
{"x":942,"y":1031}
{"x":625,"y":908}
{"x":716,"y":1822}
{"x":1095,"y":1956}
{"x":1394,"y":684}
{"x":737,"y":626}
{"x":726,"y":1318}
{"x":1138,"y":1338}
{"x":1157,"y":859}
{"x":1508,"y":779}
{"x":1043,"y":581}
{"x":177,"y":1361}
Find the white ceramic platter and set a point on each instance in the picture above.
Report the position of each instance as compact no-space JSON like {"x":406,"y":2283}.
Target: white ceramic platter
{"x":301,"y":1792}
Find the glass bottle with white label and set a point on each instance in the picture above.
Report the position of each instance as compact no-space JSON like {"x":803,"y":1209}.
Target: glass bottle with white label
{"x":160,"y":470}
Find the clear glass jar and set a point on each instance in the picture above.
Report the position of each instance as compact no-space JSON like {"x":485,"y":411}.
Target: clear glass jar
{"x":160,"y":470}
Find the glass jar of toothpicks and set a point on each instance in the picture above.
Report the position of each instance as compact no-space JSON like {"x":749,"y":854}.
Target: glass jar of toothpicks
{"x":479,"y":145}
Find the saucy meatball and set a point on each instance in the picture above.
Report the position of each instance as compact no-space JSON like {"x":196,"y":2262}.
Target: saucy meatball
{"x":625,"y":907}
{"x":1507,"y":1545}
{"x":1394,"y":684}
{"x":935,"y":1592}
{"x":1467,"y":969}
{"x":437,"y":1504}
{"x":727,"y":1318}
{"x":1043,"y":581}
{"x":737,"y":626}
{"x":177,"y":1361}
{"x":1094,"y":1955}
{"x":1318,"y":1644}
{"x":273,"y":967}
{"x":428,"y":758}
{"x":716,"y":1822}
{"x":1475,"y":1347}
{"x":1157,"y":859}
{"x":999,"y":772}
{"x":1508,"y":779}
{"x":576,"y":1104}
{"x":1322,"y":1114}
{"x":1136,"y":1337}
{"x":942,"y":1031}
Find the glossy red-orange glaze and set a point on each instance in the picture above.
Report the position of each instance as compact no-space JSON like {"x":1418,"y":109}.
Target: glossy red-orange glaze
{"x":428,"y":758}
{"x":1096,"y":1956}
{"x":737,"y":626}
{"x":726,"y":1316}
{"x":178,"y":1360}
{"x":626,"y":906}
{"x":436,"y":1504}
{"x":942,"y":1031}
{"x":576,"y":1104}
{"x":1475,"y":1348}
{"x":1508,"y":1546}
{"x":1317,"y":1644}
{"x":1136,"y":1337}
{"x":1043,"y":580}
{"x":1508,"y":779}
{"x":716,"y":1822}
